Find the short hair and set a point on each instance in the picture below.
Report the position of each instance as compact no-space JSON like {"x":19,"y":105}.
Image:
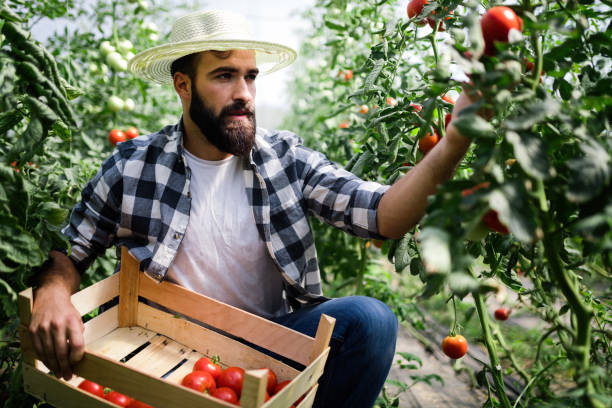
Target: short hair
{"x":188,"y":64}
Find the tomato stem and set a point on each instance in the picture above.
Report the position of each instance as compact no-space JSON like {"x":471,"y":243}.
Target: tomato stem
{"x":454,"y":329}
{"x":485,"y":323}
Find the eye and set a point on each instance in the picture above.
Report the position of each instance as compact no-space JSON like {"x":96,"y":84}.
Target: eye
{"x":225,"y":75}
{"x":251,"y":77}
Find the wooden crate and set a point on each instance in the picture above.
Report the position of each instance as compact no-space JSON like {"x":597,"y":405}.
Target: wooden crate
{"x":131,"y":346}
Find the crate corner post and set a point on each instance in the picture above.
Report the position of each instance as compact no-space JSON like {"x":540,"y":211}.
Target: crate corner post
{"x":129,"y":276}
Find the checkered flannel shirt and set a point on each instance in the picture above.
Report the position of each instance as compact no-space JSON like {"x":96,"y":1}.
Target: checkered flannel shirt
{"x":140,"y":199}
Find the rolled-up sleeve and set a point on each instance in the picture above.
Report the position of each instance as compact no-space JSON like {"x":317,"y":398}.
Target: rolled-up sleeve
{"x":94,"y":221}
{"x":338,"y":197}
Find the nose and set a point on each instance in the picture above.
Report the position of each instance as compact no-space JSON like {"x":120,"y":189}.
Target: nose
{"x":243,"y":90}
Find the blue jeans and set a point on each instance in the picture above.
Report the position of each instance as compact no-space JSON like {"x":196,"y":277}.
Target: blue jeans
{"x":362,"y":348}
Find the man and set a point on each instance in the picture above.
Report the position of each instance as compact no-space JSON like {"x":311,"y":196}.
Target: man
{"x":219,"y":206}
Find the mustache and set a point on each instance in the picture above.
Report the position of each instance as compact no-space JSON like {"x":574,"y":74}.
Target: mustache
{"x":239,"y":107}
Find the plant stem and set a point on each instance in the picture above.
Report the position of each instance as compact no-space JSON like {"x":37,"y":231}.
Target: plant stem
{"x":533,"y":379}
{"x":510,"y":354}
{"x":581,"y":346}
{"x":489,"y":341}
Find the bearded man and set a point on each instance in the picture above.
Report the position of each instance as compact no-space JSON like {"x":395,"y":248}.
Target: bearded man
{"x":220,"y":207}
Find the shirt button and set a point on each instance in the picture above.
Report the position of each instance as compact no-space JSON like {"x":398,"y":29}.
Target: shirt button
{"x":189,"y":194}
{"x":176,"y":236}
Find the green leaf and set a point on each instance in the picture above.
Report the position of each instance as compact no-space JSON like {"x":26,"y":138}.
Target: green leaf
{"x":416,"y":267}
{"x":363,"y":163}
{"x":402,"y":254}
{"x":435,"y":250}
{"x":461,"y":284}
{"x":534,"y":113}
{"x":335,"y":25}
{"x":17,"y":245}
{"x":9,"y":119}
{"x":53,"y":213}
{"x":512,"y":205}
{"x":590,"y":173}
{"x":531,"y":154}
{"x":474,"y":127}
{"x":373,"y":75}
{"x":72,"y":92}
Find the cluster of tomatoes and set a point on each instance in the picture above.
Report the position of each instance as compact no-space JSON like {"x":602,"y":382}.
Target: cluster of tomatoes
{"x":111,"y":396}
{"x":208,"y":377}
{"x":117,"y":136}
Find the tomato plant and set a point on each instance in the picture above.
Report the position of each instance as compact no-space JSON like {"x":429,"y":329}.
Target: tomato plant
{"x":544,"y":151}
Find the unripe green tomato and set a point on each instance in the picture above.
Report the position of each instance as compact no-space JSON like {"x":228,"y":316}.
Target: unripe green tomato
{"x":103,"y":68}
{"x":115,"y":103}
{"x":93,"y":67}
{"x":153,"y":37}
{"x":116,"y":61}
{"x":106,"y":48}
{"x":128,"y":105}
{"x":150,"y":26}
{"x":124,"y":46}
{"x":143,"y":5}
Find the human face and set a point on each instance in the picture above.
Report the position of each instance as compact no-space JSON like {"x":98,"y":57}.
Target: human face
{"x":222,"y":101}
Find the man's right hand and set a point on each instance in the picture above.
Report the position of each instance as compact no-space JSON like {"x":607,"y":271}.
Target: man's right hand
{"x":56,"y":327}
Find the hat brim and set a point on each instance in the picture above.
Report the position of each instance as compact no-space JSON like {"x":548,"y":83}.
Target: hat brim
{"x":154,"y":64}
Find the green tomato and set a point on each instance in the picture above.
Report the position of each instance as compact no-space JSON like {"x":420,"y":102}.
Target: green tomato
{"x":124,"y":46}
{"x":116,"y":61}
{"x":143,"y":5}
{"x":153,"y":37}
{"x":128,"y":105}
{"x":93,"y":67}
{"x":150,"y":26}
{"x":115,"y":103}
{"x":106,"y":48}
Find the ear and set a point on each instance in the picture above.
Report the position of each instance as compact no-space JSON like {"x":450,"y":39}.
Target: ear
{"x":182,"y":86}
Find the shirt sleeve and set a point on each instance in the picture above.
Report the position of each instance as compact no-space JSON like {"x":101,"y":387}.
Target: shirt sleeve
{"x":94,"y":221}
{"x":338,"y":197}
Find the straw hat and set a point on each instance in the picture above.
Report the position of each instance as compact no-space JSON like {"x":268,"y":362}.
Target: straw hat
{"x":208,"y":30}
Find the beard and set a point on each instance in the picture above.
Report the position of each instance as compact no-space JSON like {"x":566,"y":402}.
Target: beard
{"x":230,"y":136}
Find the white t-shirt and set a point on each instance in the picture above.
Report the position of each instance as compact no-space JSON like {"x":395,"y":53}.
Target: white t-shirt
{"x":222,"y":255}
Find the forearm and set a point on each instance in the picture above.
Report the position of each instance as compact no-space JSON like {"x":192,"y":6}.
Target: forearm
{"x":60,"y":275}
{"x":404,"y":204}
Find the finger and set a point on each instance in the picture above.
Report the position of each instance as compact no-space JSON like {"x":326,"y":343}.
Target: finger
{"x":61,"y":352}
{"x":49,"y":351}
{"x":38,"y":347}
{"x":76,"y":343}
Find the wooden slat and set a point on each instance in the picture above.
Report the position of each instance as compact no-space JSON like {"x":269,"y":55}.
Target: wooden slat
{"x":141,"y":385}
{"x":254,"y":388}
{"x":121,"y":342}
{"x":177,"y":375}
{"x":128,"y":289}
{"x":269,"y":335}
{"x":58,"y":393}
{"x":323,"y":335}
{"x":25,"y":301}
{"x":96,"y":295}
{"x":300,"y":384}
{"x":210,"y":343}
{"x":159,"y":357}
{"x":309,"y":398}
{"x":101,"y":325}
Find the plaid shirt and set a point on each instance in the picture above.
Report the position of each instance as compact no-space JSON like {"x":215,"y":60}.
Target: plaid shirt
{"x":140,"y":199}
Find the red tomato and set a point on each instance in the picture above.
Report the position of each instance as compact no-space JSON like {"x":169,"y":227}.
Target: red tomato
{"x":116,"y":136}
{"x":226,"y":394}
{"x":414,"y":8}
{"x":472,"y":190}
{"x":232,"y":377}
{"x":206,"y":364}
{"x":118,"y":399}
{"x":138,"y":404}
{"x":417,"y":108}
{"x":364,"y":109}
{"x":447,"y":119}
{"x":343,"y":125}
{"x":348,"y":75}
{"x":131,"y":133}
{"x":92,"y":388}
{"x":448,"y":99}
{"x":427,"y":142}
{"x":391,"y":101}
{"x":492,"y":220}
{"x":200,"y":381}
{"x":502,"y":313}
{"x":454,"y":347}
{"x":496,"y":24}
{"x":280,"y":386}
{"x":271,"y":381}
